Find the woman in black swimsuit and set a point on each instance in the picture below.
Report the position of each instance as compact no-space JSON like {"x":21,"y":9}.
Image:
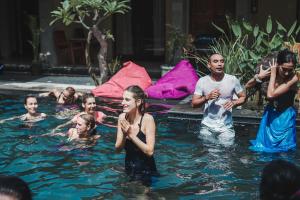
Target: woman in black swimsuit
{"x":136,"y":134}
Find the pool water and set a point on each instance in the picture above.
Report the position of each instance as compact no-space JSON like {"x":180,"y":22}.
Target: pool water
{"x":190,"y":168}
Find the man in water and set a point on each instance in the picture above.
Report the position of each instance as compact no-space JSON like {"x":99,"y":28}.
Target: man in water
{"x":216,"y":92}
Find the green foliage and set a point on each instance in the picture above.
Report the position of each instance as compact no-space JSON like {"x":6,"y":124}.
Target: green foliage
{"x":88,"y":12}
{"x":176,"y":44}
{"x":114,"y":66}
{"x":245,"y":45}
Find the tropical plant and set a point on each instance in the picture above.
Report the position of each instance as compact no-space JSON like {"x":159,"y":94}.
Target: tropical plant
{"x":176,"y":44}
{"x":114,"y":66}
{"x":90,"y":14}
{"x":244,"y":45}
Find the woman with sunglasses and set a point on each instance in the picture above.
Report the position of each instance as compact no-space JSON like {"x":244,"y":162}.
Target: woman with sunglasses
{"x":66,"y":101}
{"x":66,"y":97}
{"x":89,"y":107}
{"x":277,"y":130}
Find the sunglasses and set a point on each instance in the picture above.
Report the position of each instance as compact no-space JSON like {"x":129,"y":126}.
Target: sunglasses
{"x":67,"y":98}
{"x":287,"y":69}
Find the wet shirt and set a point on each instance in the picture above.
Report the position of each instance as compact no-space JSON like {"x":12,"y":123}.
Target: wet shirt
{"x":214,"y":113}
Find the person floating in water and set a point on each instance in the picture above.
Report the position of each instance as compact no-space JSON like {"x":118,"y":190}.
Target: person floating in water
{"x":31,"y":105}
{"x":66,"y":97}
{"x":89,"y":105}
{"x":83,"y":136}
{"x":66,"y":101}
{"x":85,"y":128}
{"x":32,"y":115}
{"x":136,"y":134}
{"x":215,"y":91}
{"x":277,"y":130}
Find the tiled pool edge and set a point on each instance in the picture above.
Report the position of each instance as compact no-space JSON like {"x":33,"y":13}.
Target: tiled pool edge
{"x":39,"y":86}
{"x":181,"y":110}
{"x":184,"y":111}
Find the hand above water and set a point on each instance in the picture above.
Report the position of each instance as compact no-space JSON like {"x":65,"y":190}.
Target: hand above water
{"x":125,"y":126}
{"x":128,"y":129}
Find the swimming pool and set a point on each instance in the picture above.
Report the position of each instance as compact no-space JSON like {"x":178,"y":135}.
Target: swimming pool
{"x":190,"y":168}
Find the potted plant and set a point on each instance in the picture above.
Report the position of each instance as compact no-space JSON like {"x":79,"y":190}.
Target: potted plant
{"x":36,"y":65}
{"x":176,"y":43}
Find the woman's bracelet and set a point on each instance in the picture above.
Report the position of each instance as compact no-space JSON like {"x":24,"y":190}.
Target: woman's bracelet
{"x":257,"y":79}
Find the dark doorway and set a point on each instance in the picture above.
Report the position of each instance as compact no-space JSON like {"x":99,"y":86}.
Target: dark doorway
{"x":27,"y":8}
{"x":140,"y":33}
{"x":15,"y":23}
{"x":204,"y":12}
{"x":142,"y":28}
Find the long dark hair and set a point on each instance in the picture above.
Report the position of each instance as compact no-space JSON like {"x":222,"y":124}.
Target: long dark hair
{"x":286,"y":56}
{"x":138,"y":93}
{"x":27,"y":97}
{"x":87,"y":96}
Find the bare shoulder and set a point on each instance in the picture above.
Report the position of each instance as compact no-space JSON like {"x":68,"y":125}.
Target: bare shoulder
{"x":148,"y":124}
{"x":55,"y":92}
{"x":148,"y":117}
{"x":71,"y":132}
{"x":23,"y":117}
{"x":122,"y":116}
{"x":96,"y":137}
{"x":78,"y":94}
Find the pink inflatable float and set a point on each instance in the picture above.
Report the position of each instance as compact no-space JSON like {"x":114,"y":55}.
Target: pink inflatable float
{"x":176,"y":84}
{"x":130,"y":74}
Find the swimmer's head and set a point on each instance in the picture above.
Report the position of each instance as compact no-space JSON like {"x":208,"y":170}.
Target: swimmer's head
{"x":30,"y":103}
{"x":85,"y":124}
{"x":286,"y":61}
{"x":89,"y":103}
{"x":68,"y":95}
{"x":14,"y":188}
{"x":137,"y":94}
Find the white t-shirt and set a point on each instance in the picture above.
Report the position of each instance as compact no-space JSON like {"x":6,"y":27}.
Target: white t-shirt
{"x":214,"y":113}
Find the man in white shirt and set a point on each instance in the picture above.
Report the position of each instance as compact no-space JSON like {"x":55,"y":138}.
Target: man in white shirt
{"x":215,"y":92}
